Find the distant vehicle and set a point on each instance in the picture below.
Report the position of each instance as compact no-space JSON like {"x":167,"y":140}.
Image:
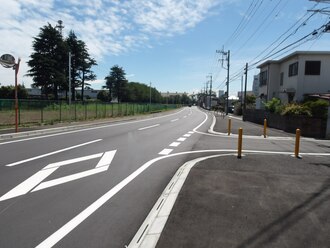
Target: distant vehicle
{"x":189,"y":105}
{"x":231,"y":109}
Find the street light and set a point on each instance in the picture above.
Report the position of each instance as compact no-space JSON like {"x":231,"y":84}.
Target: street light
{"x":8,"y":61}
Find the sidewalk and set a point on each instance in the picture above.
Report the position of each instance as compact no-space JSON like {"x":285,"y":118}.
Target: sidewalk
{"x":249,"y":128}
{"x":257,"y":201}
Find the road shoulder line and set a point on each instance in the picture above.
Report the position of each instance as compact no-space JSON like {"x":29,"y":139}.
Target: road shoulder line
{"x":149,"y":233}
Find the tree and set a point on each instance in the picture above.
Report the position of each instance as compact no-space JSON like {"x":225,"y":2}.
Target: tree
{"x":8,"y":92}
{"x":116,"y":82}
{"x":47,"y":62}
{"x":85,"y":71}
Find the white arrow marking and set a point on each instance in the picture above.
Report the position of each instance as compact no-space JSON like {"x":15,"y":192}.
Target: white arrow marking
{"x":41,"y":175}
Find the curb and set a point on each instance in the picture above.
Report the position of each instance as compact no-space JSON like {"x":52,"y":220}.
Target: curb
{"x":149,"y":232}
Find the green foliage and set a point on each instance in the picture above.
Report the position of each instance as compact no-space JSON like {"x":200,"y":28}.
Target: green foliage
{"x":296,"y":109}
{"x":318,"y":108}
{"x":103,"y":96}
{"x":274,"y":105}
{"x":238,"y":108}
{"x":250,"y":100}
{"x":48,"y":60}
{"x":116,"y":82}
{"x":8,"y":92}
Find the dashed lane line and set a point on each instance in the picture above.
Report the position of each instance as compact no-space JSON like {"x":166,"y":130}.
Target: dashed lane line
{"x":144,"y":128}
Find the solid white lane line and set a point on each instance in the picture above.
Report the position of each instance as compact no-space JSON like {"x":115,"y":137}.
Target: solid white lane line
{"x":174,"y":120}
{"x":165,"y":152}
{"x":175,"y":144}
{"x":143,"y":128}
{"x":52,"y":153}
{"x":28,"y":184}
{"x":187,"y":135}
{"x":181,"y":139}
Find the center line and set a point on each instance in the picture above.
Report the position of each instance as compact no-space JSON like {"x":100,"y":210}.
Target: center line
{"x":175,"y":144}
{"x":174,"y":120}
{"x":143,"y":128}
{"x":165,"y":152}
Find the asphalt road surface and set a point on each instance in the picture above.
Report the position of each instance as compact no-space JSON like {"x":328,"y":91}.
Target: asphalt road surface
{"x":93,"y":187}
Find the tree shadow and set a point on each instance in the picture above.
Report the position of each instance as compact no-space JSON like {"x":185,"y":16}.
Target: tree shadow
{"x":273,"y":230}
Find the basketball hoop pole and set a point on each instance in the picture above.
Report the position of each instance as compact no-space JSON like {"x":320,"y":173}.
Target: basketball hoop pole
{"x":16,"y":68}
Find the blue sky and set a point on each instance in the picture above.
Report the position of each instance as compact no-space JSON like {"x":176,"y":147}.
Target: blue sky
{"x":171,"y":44}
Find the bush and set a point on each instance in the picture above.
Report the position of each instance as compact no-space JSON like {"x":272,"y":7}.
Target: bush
{"x":274,"y":105}
{"x":318,"y":108}
{"x":295,"y":109}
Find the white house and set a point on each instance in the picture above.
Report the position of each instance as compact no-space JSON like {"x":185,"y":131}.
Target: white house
{"x":294,"y":76}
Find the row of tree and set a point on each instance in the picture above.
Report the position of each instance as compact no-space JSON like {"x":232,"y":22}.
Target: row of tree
{"x":49,"y":63}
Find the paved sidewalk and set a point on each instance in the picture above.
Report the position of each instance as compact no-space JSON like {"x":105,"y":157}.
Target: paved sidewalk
{"x":256,"y":201}
{"x":249,"y":128}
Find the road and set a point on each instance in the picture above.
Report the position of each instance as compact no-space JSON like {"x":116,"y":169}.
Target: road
{"x":47,"y":182}
{"x":93,"y":187}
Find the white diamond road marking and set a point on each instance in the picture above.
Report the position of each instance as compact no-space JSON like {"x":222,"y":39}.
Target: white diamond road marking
{"x":165,"y":152}
{"x":37,"y":178}
{"x":175,"y":144}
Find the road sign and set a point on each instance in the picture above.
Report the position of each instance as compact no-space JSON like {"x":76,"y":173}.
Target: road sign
{"x":35,"y":182}
{"x":7,"y":60}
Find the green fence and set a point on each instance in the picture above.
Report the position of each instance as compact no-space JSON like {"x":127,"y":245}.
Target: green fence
{"x":32,"y":112}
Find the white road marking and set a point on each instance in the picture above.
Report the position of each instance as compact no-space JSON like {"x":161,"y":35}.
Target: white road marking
{"x":143,"y":128}
{"x":52,"y":153}
{"x":102,"y":165}
{"x":187,"y":135}
{"x":86,"y":129}
{"x":191,"y":132}
{"x":174,"y":120}
{"x":184,"y":117}
{"x":181,"y":139}
{"x":28,"y":184}
{"x":165,"y":152}
{"x":175,"y":144}
{"x":73,"y":223}
{"x":41,"y":175}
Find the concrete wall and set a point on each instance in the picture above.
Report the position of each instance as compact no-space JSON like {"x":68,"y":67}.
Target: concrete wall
{"x":310,"y":127}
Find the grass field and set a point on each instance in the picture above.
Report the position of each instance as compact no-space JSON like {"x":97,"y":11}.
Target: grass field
{"x":48,"y":112}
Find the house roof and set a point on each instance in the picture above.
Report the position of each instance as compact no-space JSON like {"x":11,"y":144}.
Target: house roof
{"x":267,"y":62}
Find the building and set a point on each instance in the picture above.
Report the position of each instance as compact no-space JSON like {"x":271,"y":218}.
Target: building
{"x":295,"y":76}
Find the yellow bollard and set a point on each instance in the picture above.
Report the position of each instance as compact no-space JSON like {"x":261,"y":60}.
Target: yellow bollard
{"x":265,"y":128}
{"x":229,"y":126}
{"x":296,"y":150}
{"x":240,"y":140}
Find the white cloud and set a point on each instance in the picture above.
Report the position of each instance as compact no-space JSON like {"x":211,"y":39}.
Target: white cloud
{"x":109,"y":27}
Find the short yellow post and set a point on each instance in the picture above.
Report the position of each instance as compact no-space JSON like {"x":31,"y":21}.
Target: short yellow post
{"x":265,"y":128}
{"x":229,"y":126}
{"x":240,"y":140}
{"x":296,"y":150}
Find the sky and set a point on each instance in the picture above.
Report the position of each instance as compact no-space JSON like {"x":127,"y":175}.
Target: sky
{"x":173,"y":44}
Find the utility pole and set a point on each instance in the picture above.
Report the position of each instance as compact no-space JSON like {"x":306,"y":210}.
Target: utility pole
{"x":150,"y":93}
{"x":242,"y":93}
{"x":70,"y":78}
{"x":227,"y":58}
{"x":210,"y":93}
{"x":246,"y":73}
{"x":60,"y":26}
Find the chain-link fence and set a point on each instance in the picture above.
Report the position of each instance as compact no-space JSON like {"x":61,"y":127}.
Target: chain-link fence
{"x":32,"y":112}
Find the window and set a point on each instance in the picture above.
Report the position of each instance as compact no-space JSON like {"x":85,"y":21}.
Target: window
{"x":312,"y":67}
{"x":282,"y":78}
{"x":293,"y":69}
{"x":263,"y":78}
